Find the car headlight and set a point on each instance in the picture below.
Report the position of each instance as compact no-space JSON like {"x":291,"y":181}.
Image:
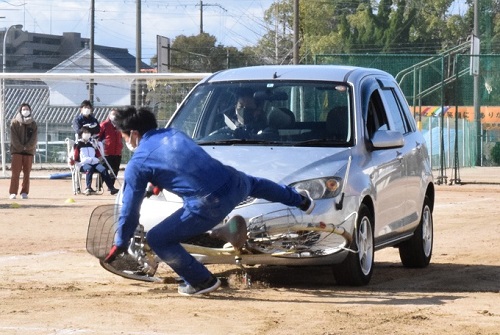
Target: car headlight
{"x":320,"y":188}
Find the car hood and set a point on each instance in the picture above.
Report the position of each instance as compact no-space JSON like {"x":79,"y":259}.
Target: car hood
{"x":282,"y":164}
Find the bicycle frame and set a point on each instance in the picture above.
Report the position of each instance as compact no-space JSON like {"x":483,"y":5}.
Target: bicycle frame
{"x":284,"y":237}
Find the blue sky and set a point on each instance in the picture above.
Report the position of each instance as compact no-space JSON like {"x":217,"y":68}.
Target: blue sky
{"x":234,"y":23}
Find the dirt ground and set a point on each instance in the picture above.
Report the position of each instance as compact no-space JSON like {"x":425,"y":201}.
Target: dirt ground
{"x":49,"y":284}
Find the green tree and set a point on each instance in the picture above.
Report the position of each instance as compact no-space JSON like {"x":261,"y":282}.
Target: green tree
{"x":361,"y":26}
{"x":396,"y":37}
{"x":276,"y":45}
{"x":201,"y":53}
{"x":198,"y":53}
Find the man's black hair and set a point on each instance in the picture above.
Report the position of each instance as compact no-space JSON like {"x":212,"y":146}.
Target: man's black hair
{"x":129,"y":118}
{"x":86,"y":103}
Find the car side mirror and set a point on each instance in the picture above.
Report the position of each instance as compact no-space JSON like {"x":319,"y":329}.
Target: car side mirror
{"x":387,"y":139}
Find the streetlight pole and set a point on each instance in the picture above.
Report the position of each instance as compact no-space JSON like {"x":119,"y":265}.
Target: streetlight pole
{"x":2,"y":108}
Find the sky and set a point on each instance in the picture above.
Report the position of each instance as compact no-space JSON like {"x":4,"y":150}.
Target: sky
{"x":236,"y":23}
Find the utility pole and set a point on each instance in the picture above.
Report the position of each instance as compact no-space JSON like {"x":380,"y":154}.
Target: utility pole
{"x":138,"y":50}
{"x":201,"y":17}
{"x":296,"y":32}
{"x":276,"y":23}
{"x":201,"y":12}
{"x":91,"y":49}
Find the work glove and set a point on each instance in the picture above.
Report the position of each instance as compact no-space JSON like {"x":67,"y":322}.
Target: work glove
{"x":114,"y":252}
{"x":152,"y":190}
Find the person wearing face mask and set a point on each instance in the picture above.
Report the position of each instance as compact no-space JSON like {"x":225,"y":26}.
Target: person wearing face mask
{"x":113,"y":144}
{"x":23,"y":139}
{"x":85,"y":117}
{"x":170,"y":160}
{"x":244,"y":120}
{"x":247,"y":114}
{"x":89,"y":160}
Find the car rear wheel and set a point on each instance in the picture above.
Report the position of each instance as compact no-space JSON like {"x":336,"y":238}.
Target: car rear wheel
{"x":417,"y":251}
{"x":357,"y":268}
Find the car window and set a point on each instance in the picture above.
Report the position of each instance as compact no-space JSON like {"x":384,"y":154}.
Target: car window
{"x":376,"y":117}
{"x":187,"y":122}
{"x":279,"y":112}
{"x":395,"y":109}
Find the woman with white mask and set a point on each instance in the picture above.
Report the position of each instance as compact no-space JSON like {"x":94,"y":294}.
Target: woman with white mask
{"x":23,"y":139}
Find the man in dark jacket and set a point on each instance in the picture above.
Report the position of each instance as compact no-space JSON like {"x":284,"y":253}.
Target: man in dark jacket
{"x":85,"y":118}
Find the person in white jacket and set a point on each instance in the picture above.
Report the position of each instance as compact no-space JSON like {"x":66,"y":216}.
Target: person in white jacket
{"x":89,"y":159}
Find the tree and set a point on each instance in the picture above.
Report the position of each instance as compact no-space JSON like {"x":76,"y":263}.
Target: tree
{"x":201,"y":53}
{"x":276,"y":46}
{"x":361,"y":26}
{"x":196,"y":53}
{"x":397,"y":35}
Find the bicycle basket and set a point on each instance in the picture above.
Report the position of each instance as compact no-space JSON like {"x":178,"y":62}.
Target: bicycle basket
{"x":101,"y":230}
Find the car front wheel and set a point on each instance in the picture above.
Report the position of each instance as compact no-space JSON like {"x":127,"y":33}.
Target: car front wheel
{"x":357,"y":268}
{"x":417,"y":251}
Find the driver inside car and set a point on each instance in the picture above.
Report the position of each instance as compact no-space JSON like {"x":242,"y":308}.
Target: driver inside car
{"x":247,"y":118}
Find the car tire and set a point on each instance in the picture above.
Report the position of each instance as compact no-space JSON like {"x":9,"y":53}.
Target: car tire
{"x":417,"y":251}
{"x":357,"y":268}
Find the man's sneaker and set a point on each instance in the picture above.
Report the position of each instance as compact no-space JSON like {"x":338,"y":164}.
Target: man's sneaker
{"x":113,"y":191}
{"x":89,"y":191}
{"x":208,"y":286}
{"x":12,"y":196}
{"x":24,"y":195}
{"x":307,"y":204}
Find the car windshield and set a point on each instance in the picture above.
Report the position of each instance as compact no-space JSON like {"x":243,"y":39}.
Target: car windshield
{"x":263,"y":113}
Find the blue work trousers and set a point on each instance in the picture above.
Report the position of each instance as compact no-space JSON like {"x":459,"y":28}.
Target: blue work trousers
{"x":200,"y":214}
{"x":90,"y":169}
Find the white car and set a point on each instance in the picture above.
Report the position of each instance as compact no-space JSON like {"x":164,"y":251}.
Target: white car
{"x":345,"y":134}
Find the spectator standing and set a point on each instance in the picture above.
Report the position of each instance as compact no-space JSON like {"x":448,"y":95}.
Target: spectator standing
{"x":113,"y":145}
{"x":86,"y":118}
{"x":24,"y":134}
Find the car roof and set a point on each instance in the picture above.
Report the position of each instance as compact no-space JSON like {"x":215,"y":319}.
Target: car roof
{"x":294,"y":72}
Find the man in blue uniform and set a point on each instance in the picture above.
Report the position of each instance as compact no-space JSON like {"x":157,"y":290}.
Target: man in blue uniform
{"x":172,"y":161}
